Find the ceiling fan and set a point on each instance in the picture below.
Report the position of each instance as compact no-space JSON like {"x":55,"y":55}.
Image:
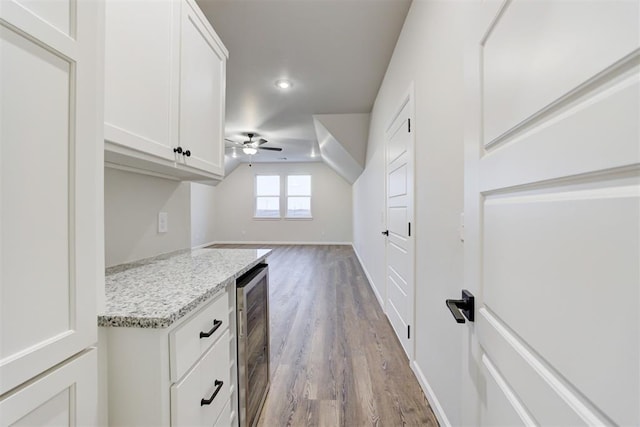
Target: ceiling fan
{"x":251,"y":147}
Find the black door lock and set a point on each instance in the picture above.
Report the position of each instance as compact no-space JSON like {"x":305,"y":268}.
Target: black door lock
{"x":465,"y":306}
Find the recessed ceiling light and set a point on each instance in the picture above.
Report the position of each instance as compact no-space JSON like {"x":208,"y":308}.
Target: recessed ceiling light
{"x":283,"y":84}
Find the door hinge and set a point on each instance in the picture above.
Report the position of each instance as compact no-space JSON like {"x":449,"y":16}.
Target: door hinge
{"x":409,"y":230}
{"x":408,"y":332}
{"x":409,"y":125}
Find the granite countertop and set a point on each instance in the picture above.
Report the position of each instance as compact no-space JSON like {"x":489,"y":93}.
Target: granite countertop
{"x":155,"y":292}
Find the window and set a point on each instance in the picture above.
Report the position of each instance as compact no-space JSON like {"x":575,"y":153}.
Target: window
{"x":299,"y":196}
{"x":267,"y":196}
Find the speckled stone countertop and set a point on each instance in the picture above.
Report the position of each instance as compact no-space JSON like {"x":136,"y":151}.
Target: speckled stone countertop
{"x":155,"y":292}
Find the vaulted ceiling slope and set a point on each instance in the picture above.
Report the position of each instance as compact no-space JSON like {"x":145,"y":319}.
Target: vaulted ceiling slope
{"x":335,"y":52}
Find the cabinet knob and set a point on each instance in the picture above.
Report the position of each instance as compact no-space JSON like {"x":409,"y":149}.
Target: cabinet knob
{"x":187,"y":153}
{"x":178,"y":150}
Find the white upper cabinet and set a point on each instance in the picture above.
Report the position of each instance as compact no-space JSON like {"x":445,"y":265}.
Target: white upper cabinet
{"x":141,"y":75}
{"x":164,"y":89}
{"x":50,"y":188}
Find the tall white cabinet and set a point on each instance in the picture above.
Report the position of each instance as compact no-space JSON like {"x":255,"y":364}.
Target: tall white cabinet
{"x":50,"y":196}
{"x":165,"y":89}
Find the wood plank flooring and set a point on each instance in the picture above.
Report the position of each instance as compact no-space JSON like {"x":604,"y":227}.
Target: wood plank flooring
{"x":335,"y":360}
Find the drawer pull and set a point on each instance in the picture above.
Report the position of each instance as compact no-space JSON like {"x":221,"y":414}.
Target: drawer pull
{"x":208,"y":401}
{"x":216,"y":325}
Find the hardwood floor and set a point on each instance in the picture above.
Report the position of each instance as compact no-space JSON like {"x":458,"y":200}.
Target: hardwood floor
{"x":335,"y":360}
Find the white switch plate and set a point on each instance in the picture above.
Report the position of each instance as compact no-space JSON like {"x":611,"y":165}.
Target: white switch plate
{"x":163,"y":222}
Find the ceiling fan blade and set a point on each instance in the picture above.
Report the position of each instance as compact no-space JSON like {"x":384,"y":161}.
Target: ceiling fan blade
{"x":262,"y":141}
{"x":271,"y":148}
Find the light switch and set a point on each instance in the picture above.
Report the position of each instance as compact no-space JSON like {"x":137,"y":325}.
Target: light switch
{"x":163,"y":222}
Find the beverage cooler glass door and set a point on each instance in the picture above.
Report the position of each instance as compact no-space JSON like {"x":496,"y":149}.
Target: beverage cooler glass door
{"x":253,"y":343}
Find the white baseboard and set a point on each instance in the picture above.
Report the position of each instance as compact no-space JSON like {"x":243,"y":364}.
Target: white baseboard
{"x":253,"y":242}
{"x":204,"y":245}
{"x":431,"y":397}
{"x":371,"y":282}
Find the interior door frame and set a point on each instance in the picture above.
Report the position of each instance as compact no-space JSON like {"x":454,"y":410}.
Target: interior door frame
{"x":407,"y":99}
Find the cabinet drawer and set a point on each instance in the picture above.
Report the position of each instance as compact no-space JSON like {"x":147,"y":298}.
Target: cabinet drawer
{"x":186,"y":342}
{"x":188,"y":407}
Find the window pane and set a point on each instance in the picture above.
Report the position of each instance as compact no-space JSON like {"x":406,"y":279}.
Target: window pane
{"x":299,"y":207}
{"x":299,"y":185}
{"x":268,"y":207}
{"x":267,"y":185}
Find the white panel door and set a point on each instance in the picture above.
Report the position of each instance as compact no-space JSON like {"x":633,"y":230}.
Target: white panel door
{"x":65,"y":396}
{"x":203,"y":60}
{"x":399,"y":304}
{"x":50,"y":146}
{"x":552,"y":212}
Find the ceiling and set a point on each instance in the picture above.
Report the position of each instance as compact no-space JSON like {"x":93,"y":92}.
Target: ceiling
{"x":335,"y":52}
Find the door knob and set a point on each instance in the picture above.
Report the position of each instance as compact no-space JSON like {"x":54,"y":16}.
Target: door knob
{"x":187,"y":153}
{"x":386,"y":232}
{"x":465,"y":306}
{"x":178,"y":150}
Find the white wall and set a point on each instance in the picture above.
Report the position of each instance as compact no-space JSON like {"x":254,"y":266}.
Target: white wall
{"x":131,"y":205}
{"x":203,"y":202}
{"x":429,"y":53}
{"x":330,"y":207}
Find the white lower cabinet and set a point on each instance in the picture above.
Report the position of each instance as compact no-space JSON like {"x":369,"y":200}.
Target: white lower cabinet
{"x":64,"y":396}
{"x":183,"y":375}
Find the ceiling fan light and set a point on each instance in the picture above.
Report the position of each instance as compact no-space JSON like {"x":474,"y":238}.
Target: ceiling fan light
{"x":249,"y":150}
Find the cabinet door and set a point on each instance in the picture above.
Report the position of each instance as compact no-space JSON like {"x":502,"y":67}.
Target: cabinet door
{"x":202,"y":92}
{"x":66,"y":396}
{"x":50,"y":183}
{"x":141,"y":75}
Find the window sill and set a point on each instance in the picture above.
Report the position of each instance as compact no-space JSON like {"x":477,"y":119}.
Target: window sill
{"x":298,"y":218}
{"x":267,"y":218}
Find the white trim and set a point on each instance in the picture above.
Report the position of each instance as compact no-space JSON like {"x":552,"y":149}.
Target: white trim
{"x":204,"y":245}
{"x":371,"y":283}
{"x":438,"y":410}
{"x":110,"y":165}
{"x":254,"y":242}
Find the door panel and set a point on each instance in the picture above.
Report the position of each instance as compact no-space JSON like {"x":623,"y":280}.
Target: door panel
{"x":398,"y":296}
{"x":552,"y":214}
{"x":570,"y":252}
{"x":398,"y":262}
{"x":49,"y":174}
{"x":32,"y":74}
{"x":58,"y":14}
{"x":64,"y":396}
{"x":503,"y":407}
{"x":594,"y":125}
{"x":398,"y":220}
{"x":537,"y":53}
{"x":550,"y":399}
{"x":398,"y":182}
